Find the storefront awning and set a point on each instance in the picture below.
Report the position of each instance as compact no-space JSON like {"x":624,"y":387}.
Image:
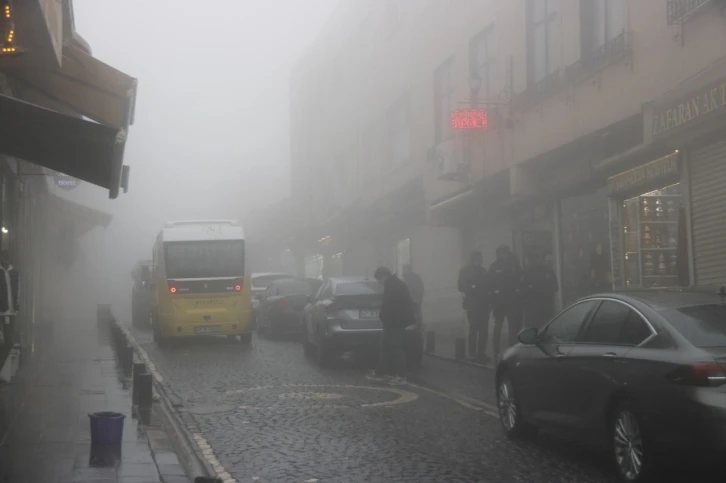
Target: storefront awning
{"x":87,"y":86}
{"x":83,"y":149}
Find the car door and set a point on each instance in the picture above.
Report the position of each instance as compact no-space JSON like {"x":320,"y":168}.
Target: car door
{"x":540,"y":375}
{"x":599,"y":363}
{"x":265,"y":304}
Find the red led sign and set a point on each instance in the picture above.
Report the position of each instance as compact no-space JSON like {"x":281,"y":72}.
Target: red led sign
{"x":469,"y":119}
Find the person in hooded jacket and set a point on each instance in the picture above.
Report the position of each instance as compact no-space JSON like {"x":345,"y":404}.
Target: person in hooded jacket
{"x":505,"y":275}
{"x":473,"y":284}
{"x":539,"y":286}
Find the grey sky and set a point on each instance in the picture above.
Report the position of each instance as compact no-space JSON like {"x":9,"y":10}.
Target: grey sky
{"x":212,"y":107}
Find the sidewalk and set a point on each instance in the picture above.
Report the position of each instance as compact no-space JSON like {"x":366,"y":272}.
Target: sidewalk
{"x":447,"y":332}
{"x":69,"y":372}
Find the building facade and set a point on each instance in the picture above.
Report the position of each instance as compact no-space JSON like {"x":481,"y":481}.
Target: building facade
{"x":603,"y":147}
{"x":50,"y":82}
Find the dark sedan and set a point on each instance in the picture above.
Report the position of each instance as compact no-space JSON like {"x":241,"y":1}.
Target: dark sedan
{"x":281,"y":306}
{"x":343,"y":317}
{"x":638,"y":372}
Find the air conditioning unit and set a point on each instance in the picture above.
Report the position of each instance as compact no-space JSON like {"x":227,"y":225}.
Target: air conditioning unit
{"x":449,"y":161}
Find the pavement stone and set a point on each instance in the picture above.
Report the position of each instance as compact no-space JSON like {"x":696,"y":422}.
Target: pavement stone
{"x":267,"y":413}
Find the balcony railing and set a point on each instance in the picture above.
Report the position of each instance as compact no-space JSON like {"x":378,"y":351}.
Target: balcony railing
{"x":612,"y":51}
{"x":678,"y":11}
{"x":591,"y":63}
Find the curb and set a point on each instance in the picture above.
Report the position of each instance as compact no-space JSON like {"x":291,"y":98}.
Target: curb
{"x":187,"y":447}
{"x":463,"y":362}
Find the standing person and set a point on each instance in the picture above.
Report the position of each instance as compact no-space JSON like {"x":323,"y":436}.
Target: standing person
{"x":415,"y":285}
{"x":539,"y":286}
{"x":505,"y":276}
{"x":396,"y":314}
{"x":473,"y":284}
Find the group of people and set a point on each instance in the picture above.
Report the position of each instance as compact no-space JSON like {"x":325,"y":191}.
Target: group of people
{"x":506,"y":292}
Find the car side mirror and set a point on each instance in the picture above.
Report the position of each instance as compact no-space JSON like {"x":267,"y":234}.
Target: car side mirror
{"x":529,"y":336}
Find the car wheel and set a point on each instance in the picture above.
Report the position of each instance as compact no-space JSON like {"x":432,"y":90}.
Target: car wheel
{"x":245,"y":339}
{"x":510,"y":414}
{"x":631,"y":453}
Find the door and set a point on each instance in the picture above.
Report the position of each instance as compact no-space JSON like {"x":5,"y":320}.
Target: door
{"x":540,"y":373}
{"x":599,"y":364}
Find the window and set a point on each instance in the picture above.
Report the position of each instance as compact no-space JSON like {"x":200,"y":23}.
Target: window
{"x":399,"y":132}
{"x":326,"y":291}
{"x":635,"y":330}
{"x":293,"y":287}
{"x":443,"y":100}
{"x":702,"y":325}
{"x":601,"y":20}
{"x":606,"y":324}
{"x":565,"y":327}
{"x":544,"y":39}
{"x":204,"y":259}
{"x":393,"y":11}
{"x":483,"y":61}
{"x":359,"y":288}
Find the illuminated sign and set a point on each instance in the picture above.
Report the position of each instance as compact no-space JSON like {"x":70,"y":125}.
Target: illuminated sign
{"x":469,"y":119}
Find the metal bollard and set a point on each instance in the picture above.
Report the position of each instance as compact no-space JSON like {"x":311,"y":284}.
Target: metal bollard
{"x":145,"y":390}
{"x":127,"y":359}
{"x":460,"y":348}
{"x":431,"y":342}
{"x":138,"y":369}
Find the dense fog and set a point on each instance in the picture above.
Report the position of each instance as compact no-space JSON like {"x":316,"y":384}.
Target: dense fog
{"x":210,"y":138}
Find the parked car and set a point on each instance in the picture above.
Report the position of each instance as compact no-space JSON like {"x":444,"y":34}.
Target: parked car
{"x":282,"y":304}
{"x":343,"y":317}
{"x":260,"y":282}
{"x":638,"y":372}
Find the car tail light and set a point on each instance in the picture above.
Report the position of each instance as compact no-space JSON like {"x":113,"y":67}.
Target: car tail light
{"x":699,"y":374}
{"x":238,"y":285}
{"x":282,"y":303}
{"x":172,"y":288}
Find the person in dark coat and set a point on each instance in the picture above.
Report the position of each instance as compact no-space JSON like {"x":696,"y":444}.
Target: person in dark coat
{"x":415,"y":285}
{"x":473,"y":284}
{"x":396,"y":314}
{"x":539,"y":286}
{"x":504,"y":287}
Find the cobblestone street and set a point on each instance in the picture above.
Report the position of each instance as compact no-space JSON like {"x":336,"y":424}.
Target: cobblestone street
{"x":270,"y":414}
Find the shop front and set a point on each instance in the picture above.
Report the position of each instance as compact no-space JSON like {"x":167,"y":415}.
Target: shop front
{"x":649,"y":226}
{"x":692,"y":120}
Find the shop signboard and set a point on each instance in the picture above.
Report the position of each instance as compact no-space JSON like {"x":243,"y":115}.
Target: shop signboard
{"x":64,"y":181}
{"x":469,"y":119}
{"x":697,"y":105}
{"x":660,"y":169}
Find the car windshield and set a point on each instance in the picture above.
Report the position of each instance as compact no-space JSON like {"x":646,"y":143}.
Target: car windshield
{"x":358,"y":288}
{"x":205,"y":259}
{"x":294,"y":287}
{"x":702,"y":325}
{"x":264,"y":281}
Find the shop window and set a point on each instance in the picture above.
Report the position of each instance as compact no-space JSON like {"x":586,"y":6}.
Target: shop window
{"x":653,"y":246}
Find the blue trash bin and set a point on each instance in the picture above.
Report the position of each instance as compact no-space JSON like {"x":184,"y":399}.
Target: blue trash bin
{"x":107,"y":428}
